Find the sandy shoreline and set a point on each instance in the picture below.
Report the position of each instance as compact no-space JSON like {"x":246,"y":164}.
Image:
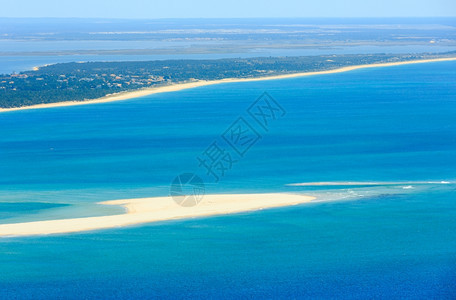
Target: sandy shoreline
{"x":182,"y":86}
{"x":146,"y":210}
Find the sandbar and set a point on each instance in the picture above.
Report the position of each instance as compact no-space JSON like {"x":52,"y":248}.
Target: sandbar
{"x":365,"y":183}
{"x":146,"y":210}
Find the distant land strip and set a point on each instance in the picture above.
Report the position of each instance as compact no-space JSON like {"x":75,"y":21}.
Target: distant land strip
{"x":257,"y":71}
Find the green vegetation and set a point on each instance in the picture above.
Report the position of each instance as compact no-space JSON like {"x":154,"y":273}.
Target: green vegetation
{"x":91,"y":80}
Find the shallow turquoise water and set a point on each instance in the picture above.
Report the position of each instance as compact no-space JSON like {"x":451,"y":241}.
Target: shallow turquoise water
{"x":384,"y":247}
{"x":384,"y":124}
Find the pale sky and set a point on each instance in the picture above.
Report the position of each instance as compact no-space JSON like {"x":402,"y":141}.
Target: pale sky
{"x":226,"y":9}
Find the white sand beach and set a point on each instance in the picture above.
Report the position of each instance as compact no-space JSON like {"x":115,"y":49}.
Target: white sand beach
{"x":146,"y":210}
{"x":182,"y":86}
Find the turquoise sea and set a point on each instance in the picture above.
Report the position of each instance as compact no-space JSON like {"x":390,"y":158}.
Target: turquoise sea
{"x":395,"y":124}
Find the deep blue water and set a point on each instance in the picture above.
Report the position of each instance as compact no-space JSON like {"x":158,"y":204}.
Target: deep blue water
{"x":384,"y":124}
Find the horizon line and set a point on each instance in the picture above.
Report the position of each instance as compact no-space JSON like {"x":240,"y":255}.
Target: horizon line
{"x":230,"y":18}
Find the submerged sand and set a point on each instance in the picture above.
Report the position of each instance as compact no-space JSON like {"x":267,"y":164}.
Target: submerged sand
{"x":146,"y":210}
{"x":182,"y":86}
{"x":365,"y":183}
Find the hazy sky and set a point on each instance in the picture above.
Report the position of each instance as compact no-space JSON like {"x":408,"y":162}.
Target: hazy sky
{"x":226,"y":8}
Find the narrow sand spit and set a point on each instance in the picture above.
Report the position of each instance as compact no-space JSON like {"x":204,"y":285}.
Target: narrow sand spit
{"x":146,"y":210}
{"x":182,"y":86}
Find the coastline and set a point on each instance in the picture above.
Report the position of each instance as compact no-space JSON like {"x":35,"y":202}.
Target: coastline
{"x":148,"y":210}
{"x":182,"y":86}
